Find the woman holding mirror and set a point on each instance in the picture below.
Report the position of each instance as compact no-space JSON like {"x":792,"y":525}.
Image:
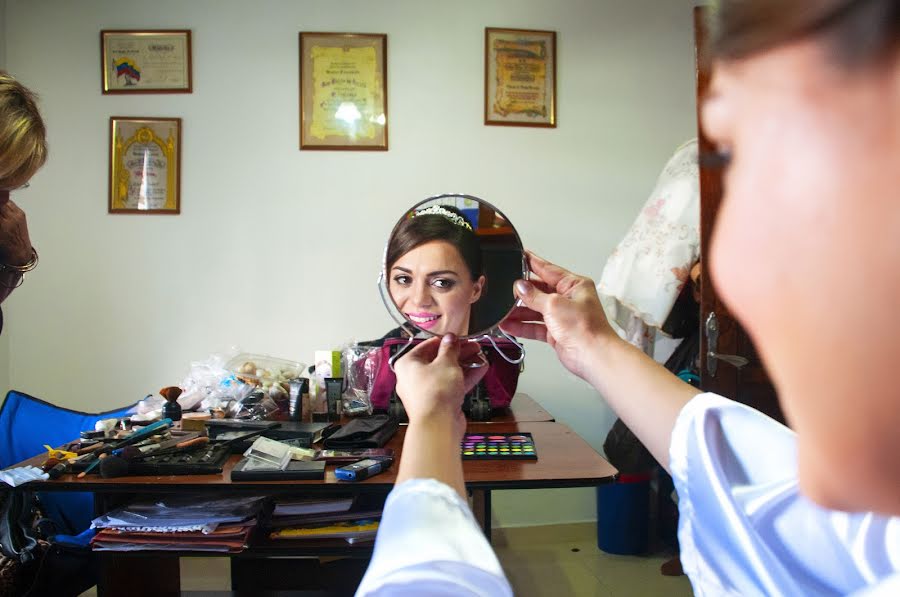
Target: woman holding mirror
{"x":807,"y":94}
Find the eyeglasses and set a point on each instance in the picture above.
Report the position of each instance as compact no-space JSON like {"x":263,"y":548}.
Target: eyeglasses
{"x":19,"y":188}
{"x":4,"y":193}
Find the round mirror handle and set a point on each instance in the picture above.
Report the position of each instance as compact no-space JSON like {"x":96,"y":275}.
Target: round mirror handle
{"x":502,"y":354}
{"x":399,"y":353}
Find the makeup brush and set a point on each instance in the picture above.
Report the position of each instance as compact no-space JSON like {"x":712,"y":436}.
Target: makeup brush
{"x":92,"y":466}
{"x":131,"y":439}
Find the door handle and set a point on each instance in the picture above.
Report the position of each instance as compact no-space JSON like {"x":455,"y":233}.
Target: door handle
{"x":712,"y":344}
{"x":731,"y":359}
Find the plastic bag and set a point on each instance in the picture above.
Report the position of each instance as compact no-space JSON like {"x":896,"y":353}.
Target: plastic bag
{"x":211,"y":386}
{"x":269,"y":375}
{"x":256,"y":406}
{"x":360,"y":364}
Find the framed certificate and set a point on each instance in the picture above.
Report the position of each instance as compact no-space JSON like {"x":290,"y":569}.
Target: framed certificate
{"x":343,"y":91}
{"x":519,"y":77}
{"x":144,"y":165}
{"x":146,"y":61}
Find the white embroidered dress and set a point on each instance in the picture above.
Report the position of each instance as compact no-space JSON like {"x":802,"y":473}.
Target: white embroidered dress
{"x":645,"y":273}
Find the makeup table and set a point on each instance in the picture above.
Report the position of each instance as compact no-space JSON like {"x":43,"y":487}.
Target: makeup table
{"x":564,"y":460}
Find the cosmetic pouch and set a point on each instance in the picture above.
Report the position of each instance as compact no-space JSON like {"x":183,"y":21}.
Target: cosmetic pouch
{"x":364,"y":432}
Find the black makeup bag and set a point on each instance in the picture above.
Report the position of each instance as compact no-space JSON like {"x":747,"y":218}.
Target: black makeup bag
{"x":365,"y":432}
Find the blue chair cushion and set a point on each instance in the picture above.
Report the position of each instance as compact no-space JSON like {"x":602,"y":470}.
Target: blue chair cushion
{"x":26,"y":424}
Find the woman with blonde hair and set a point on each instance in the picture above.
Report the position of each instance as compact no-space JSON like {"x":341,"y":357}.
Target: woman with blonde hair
{"x":23,"y":150}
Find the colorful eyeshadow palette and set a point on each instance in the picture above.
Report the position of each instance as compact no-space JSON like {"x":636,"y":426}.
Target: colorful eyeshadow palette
{"x":501,"y":446}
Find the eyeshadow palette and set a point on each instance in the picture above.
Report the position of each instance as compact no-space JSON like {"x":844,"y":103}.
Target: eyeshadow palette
{"x":501,"y":446}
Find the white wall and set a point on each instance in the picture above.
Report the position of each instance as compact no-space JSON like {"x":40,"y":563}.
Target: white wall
{"x":277,"y":250}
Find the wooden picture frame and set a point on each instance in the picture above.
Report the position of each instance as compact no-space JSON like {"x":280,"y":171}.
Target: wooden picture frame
{"x":152,"y":61}
{"x":519,"y":77}
{"x":144,"y":165}
{"x":343,"y":91}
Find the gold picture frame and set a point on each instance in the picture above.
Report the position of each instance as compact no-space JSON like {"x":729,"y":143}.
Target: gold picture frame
{"x":519,"y":77}
{"x":343,"y":91}
{"x":154,"y":61}
{"x":144,"y":165}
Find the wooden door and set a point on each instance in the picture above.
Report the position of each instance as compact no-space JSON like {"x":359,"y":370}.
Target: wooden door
{"x":748,"y":383}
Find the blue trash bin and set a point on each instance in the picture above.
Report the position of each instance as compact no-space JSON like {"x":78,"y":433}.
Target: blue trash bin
{"x":623,"y":513}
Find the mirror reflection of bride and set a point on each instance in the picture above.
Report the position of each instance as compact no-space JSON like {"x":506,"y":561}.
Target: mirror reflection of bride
{"x":434,"y":269}
{"x":448,"y":268}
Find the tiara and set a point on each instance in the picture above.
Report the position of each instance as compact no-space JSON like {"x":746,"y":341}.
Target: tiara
{"x":437,"y":210}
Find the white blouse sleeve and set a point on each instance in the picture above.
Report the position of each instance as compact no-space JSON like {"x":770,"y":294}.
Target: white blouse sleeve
{"x":428,"y":543}
{"x":744,"y":526}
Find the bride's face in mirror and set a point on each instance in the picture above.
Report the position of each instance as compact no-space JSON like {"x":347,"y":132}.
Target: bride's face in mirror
{"x":433,"y":287}
{"x":449,"y":267}
{"x":434,"y":270}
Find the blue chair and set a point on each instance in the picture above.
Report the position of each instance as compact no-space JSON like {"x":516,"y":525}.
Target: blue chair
{"x":26,"y":424}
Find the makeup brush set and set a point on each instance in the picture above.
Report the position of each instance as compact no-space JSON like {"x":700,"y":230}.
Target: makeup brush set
{"x":152,"y":450}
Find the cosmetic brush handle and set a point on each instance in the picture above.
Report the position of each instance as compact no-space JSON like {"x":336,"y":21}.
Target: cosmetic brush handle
{"x":145,"y":432}
{"x":91,"y":466}
{"x":191,"y":443}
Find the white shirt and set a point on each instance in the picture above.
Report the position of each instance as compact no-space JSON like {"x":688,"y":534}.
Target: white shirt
{"x":428,"y":543}
{"x":744,"y":527}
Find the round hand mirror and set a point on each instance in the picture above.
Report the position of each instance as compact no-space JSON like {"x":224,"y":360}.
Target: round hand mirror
{"x":449,"y":267}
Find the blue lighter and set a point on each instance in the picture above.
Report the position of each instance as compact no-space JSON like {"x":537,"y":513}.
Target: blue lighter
{"x":362,"y":469}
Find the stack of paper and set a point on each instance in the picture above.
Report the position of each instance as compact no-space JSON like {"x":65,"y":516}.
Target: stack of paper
{"x":310,"y":506}
{"x":184,"y":523}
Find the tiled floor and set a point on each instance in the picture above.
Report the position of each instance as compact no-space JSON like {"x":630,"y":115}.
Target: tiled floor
{"x":564,"y":560}
{"x":554,"y":561}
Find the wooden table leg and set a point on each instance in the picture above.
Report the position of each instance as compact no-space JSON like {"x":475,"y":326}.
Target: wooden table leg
{"x":138,"y":576}
{"x":481,"y":508}
{"x":135,"y":576}
{"x":251,"y":575}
